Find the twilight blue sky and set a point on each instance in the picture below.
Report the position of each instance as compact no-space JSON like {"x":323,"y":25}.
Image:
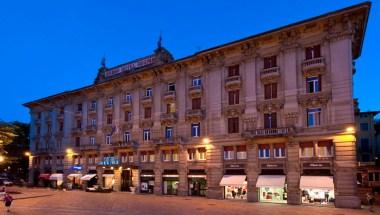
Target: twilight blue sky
{"x":47,"y":47}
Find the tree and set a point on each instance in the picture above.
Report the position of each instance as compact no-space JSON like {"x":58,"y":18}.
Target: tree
{"x":7,"y":134}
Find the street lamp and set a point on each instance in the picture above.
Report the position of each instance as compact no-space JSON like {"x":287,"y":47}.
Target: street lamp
{"x":28,"y":154}
{"x":1,"y":158}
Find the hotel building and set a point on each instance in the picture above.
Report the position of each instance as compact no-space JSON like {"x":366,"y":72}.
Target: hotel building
{"x":267,"y":118}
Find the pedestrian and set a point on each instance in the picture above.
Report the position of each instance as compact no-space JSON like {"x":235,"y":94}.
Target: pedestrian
{"x":371,"y":201}
{"x":8,"y":201}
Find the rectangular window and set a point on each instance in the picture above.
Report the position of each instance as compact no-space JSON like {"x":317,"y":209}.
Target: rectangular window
{"x":364,"y":126}
{"x":79,"y":107}
{"x":92,"y":140}
{"x":270,"y":91}
{"x":196,"y":82}
{"x":93,"y":121}
{"x":128,"y":98}
{"x":314,"y":84}
{"x":202,"y":153}
{"x":364,"y":145}
{"x":146,"y":134}
{"x":307,"y":149}
{"x":110,"y":101}
{"x":79,"y":123}
{"x":127,"y":116}
{"x":147,"y":112}
{"x":313,"y":52}
{"x":149,"y":92}
{"x":195,"y":130}
{"x":191,"y":154}
{"x":108,"y":139}
{"x":60,"y":126}
{"x":270,"y":62}
{"x":130,"y":157}
{"x":270,"y":120}
{"x":175,"y":155}
{"x":233,"y":97}
{"x":233,"y":71}
{"x":169,"y":132}
{"x":61,"y":110}
{"x":313,"y":117}
{"x":151,"y":156}
{"x":166,"y":156}
{"x":171,"y":87}
{"x":233,"y":125}
{"x":229,"y":153}
{"x":127,"y":137}
{"x":241,"y":152}
{"x":264,"y":151}
{"x":170,"y":108}
{"x":144,"y":156}
{"x":77,"y":141}
{"x":93,"y":105}
{"x":325,"y":149}
{"x":38,"y":130}
{"x":196,"y":103}
{"x":109,"y":119}
{"x":279,"y":150}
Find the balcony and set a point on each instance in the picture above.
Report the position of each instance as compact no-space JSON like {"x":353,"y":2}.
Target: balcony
{"x":146,"y":123}
{"x":89,"y":147}
{"x":267,"y":132}
{"x":168,"y":141}
{"x":146,"y":100}
{"x":126,"y":104}
{"x":314,"y":99}
{"x":92,"y":110}
{"x":124,"y":144}
{"x":108,"y":128}
{"x":233,"y":110}
{"x":233,"y":82}
{"x":269,"y":74}
{"x":90,"y":129}
{"x":76,"y":131}
{"x":313,"y":64}
{"x":195,"y":91}
{"x":194,"y":115}
{"x":108,"y":107}
{"x":169,"y":96}
{"x":270,"y":105}
{"x":78,"y":114}
{"x":168,"y":118}
{"x":127,"y":125}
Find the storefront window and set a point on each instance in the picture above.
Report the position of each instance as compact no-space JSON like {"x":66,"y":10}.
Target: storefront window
{"x":197,"y":186}
{"x":273,"y":194}
{"x":307,"y":149}
{"x":241,"y":152}
{"x":279,"y":150}
{"x":235,"y":192}
{"x":325,"y":149}
{"x":318,"y":196}
{"x":264,"y":151}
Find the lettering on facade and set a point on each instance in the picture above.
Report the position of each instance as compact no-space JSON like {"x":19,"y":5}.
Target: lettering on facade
{"x":234,"y":166}
{"x":109,"y":161}
{"x":77,"y":167}
{"x":316,"y":165}
{"x":272,"y":165}
{"x":130,"y":66}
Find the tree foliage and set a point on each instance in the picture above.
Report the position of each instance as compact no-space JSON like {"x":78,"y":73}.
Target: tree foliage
{"x":7,"y":134}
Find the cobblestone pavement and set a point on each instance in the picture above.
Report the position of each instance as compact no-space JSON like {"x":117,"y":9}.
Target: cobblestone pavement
{"x":44,"y":201}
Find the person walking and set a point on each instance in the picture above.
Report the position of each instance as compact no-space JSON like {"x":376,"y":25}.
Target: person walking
{"x":371,"y":201}
{"x":8,"y":201}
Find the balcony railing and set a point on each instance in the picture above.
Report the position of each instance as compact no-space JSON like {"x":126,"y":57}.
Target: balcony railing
{"x":76,"y":130}
{"x":126,"y":103}
{"x":233,"y":82}
{"x":195,"y":91}
{"x":92,"y":110}
{"x":91,"y":128}
{"x":313,"y":63}
{"x":78,"y":113}
{"x":108,"y":107}
{"x":89,"y":147}
{"x":60,"y":116}
{"x":122,"y":144}
{"x":194,"y":115}
{"x":169,"y":96}
{"x":267,"y":132}
{"x":168,"y":118}
{"x":146,"y":100}
{"x":270,"y":73}
{"x":168,"y":141}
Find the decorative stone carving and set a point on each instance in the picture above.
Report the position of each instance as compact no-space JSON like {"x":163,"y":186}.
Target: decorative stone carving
{"x":289,"y":39}
{"x":233,"y":110}
{"x":249,"y":123}
{"x":127,"y":126}
{"x":291,"y":118}
{"x":194,"y":115}
{"x":232,"y":83}
{"x":146,"y":123}
{"x":270,"y":75}
{"x":314,"y":99}
{"x":272,"y":105}
{"x":168,"y":118}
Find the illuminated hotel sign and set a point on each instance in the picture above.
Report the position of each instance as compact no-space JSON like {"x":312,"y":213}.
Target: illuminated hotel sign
{"x":316,"y":165}
{"x":131,"y":66}
{"x":109,"y":161}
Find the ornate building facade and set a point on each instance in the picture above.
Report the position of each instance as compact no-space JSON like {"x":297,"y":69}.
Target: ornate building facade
{"x":266,"y":118}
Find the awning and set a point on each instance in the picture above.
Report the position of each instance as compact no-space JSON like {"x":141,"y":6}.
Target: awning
{"x":232,"y":180}
{"x":44,"y":176}
{"x":87,"y":177}
{"x":271,"y":181}
{"x":56,"y":177}
{"x":147,"y":176}
{"x":170,"y":176}
{"x":73,"y":175}
{"x":197,"y":176}
{"x":108,"y":175}
{"x":319,"y":182}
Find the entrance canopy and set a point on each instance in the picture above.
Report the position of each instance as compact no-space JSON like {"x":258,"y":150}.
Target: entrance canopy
{"x":277,"y":181}
{"x":73,"y":175}
{"x":44,"y":176}
{"x":232,"y":180}
{"x":317,"y":182}
{"x":87,"y":177}
{"x":56,"y":177}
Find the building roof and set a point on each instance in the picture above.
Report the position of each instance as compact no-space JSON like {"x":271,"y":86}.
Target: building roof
{"x":362,"y":7}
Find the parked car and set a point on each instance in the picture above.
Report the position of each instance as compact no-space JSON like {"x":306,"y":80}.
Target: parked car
{"x":99,"y":189}
{"x":6,"y":182}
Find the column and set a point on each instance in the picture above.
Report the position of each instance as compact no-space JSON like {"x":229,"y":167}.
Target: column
{"x":252,"y":172}
{"x":117,"y":178}
{"x":293,"y":173}
{"x":182,"y":171}
{"x":214,"y":171}
{"x":158,"y":174}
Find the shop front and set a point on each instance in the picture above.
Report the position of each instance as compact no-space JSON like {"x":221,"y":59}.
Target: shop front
{"x":126,"y":180}
{"x":197,"y":182}
{"x":44,"y":179}
{"x":74,"y":181}
{"x":272,"y":188}
{"x":317,"y":184}
{"x":234,"y":182}
{"x":90,"y":179}
{"x":108,"y":178}
{"x":170,"y":181}
{"x":147,"y":181}
{"x":56,"y":180}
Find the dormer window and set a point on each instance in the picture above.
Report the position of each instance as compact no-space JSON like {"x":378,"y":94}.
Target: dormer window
{"x":148,"y":92}
{"x":171,"y":87}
